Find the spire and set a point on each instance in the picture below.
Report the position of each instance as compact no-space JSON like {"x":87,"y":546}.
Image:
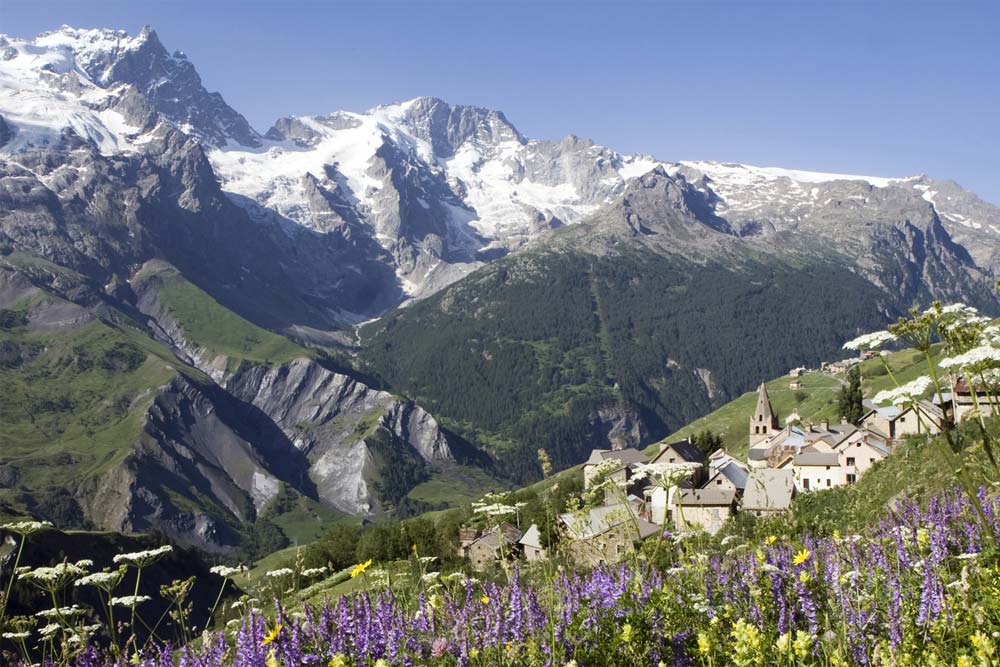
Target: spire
{"x":764,"y":405}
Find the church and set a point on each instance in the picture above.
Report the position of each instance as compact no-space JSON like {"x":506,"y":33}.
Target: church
{"x":818,"y":456}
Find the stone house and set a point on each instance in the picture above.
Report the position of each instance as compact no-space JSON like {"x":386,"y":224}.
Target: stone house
{"x":705,"y":508}
{"x":491,"y":546}
{"x":857,"y":454}
{"x":605,"y":534}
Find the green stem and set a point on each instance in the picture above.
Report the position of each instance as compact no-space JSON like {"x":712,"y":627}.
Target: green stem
{"x":211,"y":613}
{"x":13,"y":576}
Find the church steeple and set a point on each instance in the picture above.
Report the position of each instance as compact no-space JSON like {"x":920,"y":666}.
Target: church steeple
{"x":764,"y":421}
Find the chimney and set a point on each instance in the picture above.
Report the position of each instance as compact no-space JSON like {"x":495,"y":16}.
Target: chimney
{"x":825,"y":424}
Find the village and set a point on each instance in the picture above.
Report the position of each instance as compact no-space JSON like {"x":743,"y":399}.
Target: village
{"x":785,"y":458}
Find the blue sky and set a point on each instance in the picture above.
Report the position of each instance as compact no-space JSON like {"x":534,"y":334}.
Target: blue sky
{"x":886,"y":89}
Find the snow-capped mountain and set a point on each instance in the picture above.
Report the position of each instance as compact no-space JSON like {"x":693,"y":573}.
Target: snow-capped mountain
{"x":426,"y":190}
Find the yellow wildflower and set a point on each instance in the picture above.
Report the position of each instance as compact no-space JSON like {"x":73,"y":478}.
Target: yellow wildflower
{"x":784,"y":643}
{"x":360,"y":568}
{"x":746,"y":643}
{"x":801,"y":557}
{"x":628,"y":634}
{"x":964,"y":661}
{"x":272,"y":659}
{"x":338,"y":660}
{"x":804,"y":577}
{"x":803,"y":644}
{"x":704,"y":643}
{"x":836,"y":534}
{"x":485,"y":599}
{"x":272,"y":635}
{"x":771,"y":539}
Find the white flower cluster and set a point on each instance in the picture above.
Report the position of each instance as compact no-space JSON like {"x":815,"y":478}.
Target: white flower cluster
{"x":981,"y":357}
{"x":869,"y":341}
{"x":99,"y":579}
{"x":664,"y":475}
{"x":143,"y":558}
{"x":904,"y":393}
{"x":314,"y":571}
{"x":130,"y":600}
{"x":65,"y":612}
{"x":280,"y":572}
{"x":26,"y":527}
{"x":16,"y":635}
{"x":224,"y":570}
{"x":55,"y":574}
{"x":49,"y":630}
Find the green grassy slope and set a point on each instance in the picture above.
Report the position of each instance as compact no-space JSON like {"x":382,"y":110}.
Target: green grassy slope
{"x":210,"y":325}
{"x":72,"y":404}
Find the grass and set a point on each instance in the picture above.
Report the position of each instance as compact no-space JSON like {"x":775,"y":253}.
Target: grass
{"x":307,"y":520}
{"x":456,"y":485}
{"x":75,"y":408}
{"x":210,"y":325}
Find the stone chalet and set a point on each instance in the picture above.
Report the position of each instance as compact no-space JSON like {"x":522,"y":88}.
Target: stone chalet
{"x":481,"y":548}
{"x":605,"y":534}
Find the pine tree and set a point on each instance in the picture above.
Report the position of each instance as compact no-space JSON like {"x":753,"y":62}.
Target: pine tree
{"x":849,"y":403}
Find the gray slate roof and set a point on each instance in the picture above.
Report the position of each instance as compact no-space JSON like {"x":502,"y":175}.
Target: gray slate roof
{"x":627,"y":456}
{"x":735,"y":473}
{"x":811,"y":457}
{"x":602,"y":519}
{"x":769,"y":489}
{"x":685,"y":449}
{"x":706,"y":497}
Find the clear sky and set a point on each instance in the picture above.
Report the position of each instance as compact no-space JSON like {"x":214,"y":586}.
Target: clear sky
{"x":883,"y":89}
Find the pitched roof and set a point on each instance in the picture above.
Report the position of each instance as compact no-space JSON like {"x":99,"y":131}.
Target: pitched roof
{"x":769,"y":489}
{"x":706,"y":496}
{"x":532,"y":537}
{"x":626,"y":456}
{"x":491,"y":538}
{"x":683,"y":448}
{"x":811,"y":457}
{"x":597,"y":520}
{"x":735,"y":473}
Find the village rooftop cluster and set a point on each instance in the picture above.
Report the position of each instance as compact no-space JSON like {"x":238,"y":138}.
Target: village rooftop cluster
{"x":782,"y":461}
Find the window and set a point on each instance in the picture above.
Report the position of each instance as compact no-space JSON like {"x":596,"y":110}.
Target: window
{"x":760,"y":418}
{"x":850,"y":460}
{"x":851,"y":478}
{"x":871,"y":461}
{"x":673,"y":459}
{"x":718,"y":482}
{"x":828,"y":481}
{"x":805,"y":483}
